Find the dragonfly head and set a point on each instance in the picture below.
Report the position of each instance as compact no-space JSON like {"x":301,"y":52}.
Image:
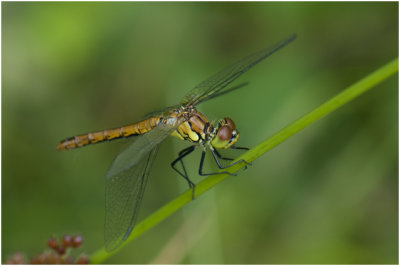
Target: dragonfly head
{"x":225,"y":135}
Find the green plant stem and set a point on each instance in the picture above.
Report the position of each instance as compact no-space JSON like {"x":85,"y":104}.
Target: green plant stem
{"x":334,"y":103}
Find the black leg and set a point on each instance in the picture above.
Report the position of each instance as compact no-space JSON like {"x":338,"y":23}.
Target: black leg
{"x":203,"y":154}
{"x":232,"y":147}
{"x":224,"y":167}
{"x":229,"y":159}
{"x":183,"y":153}
{"x":221,"y":157}
{"x":240,"y":148}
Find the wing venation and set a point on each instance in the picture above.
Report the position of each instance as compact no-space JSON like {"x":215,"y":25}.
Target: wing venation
{"x":125,"y":184}
{"x":223,"y":78}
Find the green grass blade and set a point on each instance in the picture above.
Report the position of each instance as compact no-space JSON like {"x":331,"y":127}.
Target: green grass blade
{"x":331,"y":105}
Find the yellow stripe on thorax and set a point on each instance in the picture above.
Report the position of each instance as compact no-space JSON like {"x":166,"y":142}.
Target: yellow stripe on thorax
{"x":193,"y":130}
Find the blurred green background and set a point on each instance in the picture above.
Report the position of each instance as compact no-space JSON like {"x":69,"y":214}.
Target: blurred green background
{"x":327,"y":195}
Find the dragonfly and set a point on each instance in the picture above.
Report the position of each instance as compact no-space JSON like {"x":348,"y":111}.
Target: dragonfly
{"x":127,"y":177}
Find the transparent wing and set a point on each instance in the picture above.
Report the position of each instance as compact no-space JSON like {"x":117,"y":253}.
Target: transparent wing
{"x":223,"y":78}
{"x":163,"y":111}
{"x":125,"y":184}
{"x":223,"y":92}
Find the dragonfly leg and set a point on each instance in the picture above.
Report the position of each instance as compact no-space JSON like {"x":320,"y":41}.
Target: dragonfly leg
{"x":240,"y":148}
{"x":230,"y":159}
{"x":221,"y":157}
{"x":203,"y":154}
{"x":215,"y":154}
{"x":183,"y":153}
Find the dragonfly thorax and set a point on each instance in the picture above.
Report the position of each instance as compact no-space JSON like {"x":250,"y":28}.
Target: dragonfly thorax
{"x":198,"y":129}
{"x":195,"y":128}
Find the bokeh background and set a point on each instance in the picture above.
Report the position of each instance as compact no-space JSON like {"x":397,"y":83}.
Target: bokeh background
{"x":327,"y":195}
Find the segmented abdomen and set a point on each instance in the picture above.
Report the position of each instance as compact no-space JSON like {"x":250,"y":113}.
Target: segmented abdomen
{"x":110,"y":134}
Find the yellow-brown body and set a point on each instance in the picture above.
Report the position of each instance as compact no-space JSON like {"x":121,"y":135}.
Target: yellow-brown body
{"x":195,"y":128}
{"x":110,"y":134}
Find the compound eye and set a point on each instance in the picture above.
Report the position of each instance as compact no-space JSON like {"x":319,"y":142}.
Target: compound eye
{"x":230,"y":123}
{"x":225,"y":133}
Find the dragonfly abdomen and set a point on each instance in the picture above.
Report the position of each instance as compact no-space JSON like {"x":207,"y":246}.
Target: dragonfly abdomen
{"x":110,"y":134}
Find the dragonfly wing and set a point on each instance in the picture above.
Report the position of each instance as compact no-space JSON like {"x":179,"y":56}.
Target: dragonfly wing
{"x":125,"y":184}
{"x":223,"y":78}
{"x":163,"y":111}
